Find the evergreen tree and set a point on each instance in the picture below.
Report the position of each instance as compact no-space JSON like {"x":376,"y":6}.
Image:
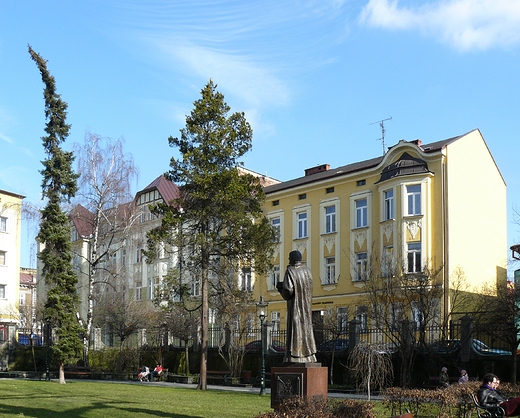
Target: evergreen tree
{"x":58,"y":186}
{"x":217,"y":221}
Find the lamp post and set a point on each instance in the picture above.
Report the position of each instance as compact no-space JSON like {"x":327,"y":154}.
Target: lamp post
{"x":47,"y":353}
{"x":262,"y":304}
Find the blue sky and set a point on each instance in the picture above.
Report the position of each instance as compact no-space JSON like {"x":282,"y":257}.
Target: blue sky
{"x":311,"y":76}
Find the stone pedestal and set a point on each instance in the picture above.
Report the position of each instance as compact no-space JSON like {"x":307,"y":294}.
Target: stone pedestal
{"x":306,"y":380}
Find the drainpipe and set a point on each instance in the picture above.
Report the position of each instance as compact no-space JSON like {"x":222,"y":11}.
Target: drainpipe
{"x":446,"y":282}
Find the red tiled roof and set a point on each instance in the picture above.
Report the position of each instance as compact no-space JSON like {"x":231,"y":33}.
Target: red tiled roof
{"x":166,"y":188}
{"x":26,"y":278}
{"x":83,"y":220}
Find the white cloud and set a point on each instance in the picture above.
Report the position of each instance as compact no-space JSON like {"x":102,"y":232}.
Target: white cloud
{"x":5,"y":138}
{"x":464,"y":24}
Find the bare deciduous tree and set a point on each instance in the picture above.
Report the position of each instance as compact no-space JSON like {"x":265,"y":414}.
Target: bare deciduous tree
{"x":123,"y":318}
{"x":106,"y":173}
{"x":371,"y":366}
{"x":402,"y":306}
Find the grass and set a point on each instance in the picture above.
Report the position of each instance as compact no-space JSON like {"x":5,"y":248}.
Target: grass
{"x":24,"y":398}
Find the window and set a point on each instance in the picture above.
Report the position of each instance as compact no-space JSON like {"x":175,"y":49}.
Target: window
{"x":123,"y":257}
{"x":388,"y":204}
{"x":2,"y":291}
{"x":2,"y":258}
{"x":195,"y":287}
{"x":361,"y":213}
{"x":3,"y":224}
{"x":138,"y":286}
{"x":417,"y":315}
{"x":274,"y":277}
{"x":362,"y":317}
{"x":330,"y":219}
{"x":414,"y":257}
{"x":149,"y":289}
{"x":246,"y":282}
{"x":361,"y":182}
{"x":330,"y":270}
{"x":275,"y":320}
{"x":22,"y":299}
{"x":387,"y":261}
{"x":342,"y":320}
{"x":74,"y":233}
{"x":413,"y":194}
{"x":275,"y":223}
{"x":396,"y":315}
{"x":276,"y":202}
{"x":75,"y":262}
{"x":302,"y":196}
{"x":302,"y":225}
{"x":361,"y":266}
{"x":138,"y":256}
{"x":329,"y":190}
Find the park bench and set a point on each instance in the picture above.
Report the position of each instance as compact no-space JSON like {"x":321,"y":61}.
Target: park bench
{"x":216,"y":377}
{"x":488,"y":412}
{"x":163,"y":376}
{"x":433,"y":382}
{"x":78,"y":373}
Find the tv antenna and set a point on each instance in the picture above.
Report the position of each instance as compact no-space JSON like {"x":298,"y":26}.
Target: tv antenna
{"x":382,"y":125}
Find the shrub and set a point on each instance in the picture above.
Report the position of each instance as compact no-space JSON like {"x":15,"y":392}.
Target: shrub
{"x":321,"y":408}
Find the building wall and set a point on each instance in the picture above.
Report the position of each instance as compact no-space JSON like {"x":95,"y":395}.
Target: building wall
{"x":10,"y":235}
{"x":477,"y":212}
{"x":462,"y":201}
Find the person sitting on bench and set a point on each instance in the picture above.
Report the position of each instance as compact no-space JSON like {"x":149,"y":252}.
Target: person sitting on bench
{"x":488,"y":397}
{"x":156,"y":372}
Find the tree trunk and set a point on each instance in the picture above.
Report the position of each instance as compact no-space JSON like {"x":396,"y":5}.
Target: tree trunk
{"x":62,"y":374}
{"x":186,"y":349}
{"x":204,"y":327}
{"x":514,"y":361}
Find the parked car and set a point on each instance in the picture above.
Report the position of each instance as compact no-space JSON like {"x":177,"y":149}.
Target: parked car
{"x":453,"y":346}
{"x":256,"y":345}
{"x":444,"y":347}
{"x":484,"y":350}
{"x":339,"y":344}
{"x":388,"y":348}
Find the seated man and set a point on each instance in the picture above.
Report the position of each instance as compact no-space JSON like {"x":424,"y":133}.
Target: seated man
{"x":488,"y":397}
{"x":156,"y":372}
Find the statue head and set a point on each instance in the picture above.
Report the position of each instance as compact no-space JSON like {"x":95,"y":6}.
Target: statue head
{"x":295,"y":257}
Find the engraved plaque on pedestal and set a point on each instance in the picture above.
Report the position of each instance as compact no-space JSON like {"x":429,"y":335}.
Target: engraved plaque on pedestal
{"x":298,"y":381}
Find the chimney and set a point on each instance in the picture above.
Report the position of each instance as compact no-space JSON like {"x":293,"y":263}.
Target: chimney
{"x":417,"y":142}
{"x":317,"y":169}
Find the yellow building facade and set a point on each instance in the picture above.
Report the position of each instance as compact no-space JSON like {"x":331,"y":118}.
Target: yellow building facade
{"x":438,"y":206}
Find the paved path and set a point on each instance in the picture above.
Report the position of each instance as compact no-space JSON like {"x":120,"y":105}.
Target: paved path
{"x":248,"y":389}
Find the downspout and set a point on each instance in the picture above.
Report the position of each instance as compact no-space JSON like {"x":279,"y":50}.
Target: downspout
{"x":445,"y":266}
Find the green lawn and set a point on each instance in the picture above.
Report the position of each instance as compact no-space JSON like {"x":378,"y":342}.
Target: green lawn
{"x":22,"y":398}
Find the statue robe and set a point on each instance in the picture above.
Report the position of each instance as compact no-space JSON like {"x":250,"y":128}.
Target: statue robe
{"x":297,"y":291}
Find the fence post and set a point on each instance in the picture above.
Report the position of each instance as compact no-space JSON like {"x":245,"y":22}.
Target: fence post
{"x":353,"y":333}
{"x":466,"y":337}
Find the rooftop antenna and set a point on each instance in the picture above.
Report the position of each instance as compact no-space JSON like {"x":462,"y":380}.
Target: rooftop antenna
{"x":382,"y":125}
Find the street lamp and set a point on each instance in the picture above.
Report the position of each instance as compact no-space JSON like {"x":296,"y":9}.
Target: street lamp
{"x":47,"y":353}
{"x":262,"y":304}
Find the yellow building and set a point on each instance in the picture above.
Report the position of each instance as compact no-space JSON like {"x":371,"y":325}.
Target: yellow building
{"x":438,"y":206}
{"x":10,"y":235}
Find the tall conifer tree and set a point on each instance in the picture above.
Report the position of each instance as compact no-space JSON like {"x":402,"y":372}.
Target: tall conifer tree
{"x":58,"y":186}
{"x":217,"y":223}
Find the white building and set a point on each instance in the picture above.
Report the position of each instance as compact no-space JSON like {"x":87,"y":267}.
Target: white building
{"x":10,"y":233}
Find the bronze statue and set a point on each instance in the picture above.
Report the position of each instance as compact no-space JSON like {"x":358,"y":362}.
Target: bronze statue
{"x":296,"y":289}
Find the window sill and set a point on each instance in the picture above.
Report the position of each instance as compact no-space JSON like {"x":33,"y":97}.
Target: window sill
{"x":328,"y":234}
{"x":360,"y":228}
